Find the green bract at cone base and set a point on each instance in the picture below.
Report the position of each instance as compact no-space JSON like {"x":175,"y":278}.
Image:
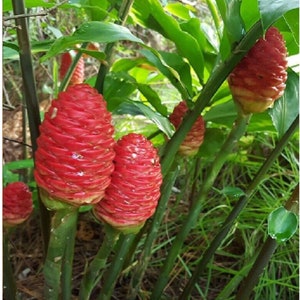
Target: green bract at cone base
{"x":54,"y":203}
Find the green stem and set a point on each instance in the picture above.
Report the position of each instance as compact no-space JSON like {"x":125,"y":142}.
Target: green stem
{"x":67,"y":264}
{"x":195,"y":183}
{"x":9,"y":283}
{"x":95,"y":269}
{"x":236,"y":133}
{"x":57,"y":276}
{"x":109,"y":50}
{"x":264,"y":256}
{"x":228,"y":223}
{"x":31,"y":101}
{"x":116,"y":266}
{"x":145,"y":256}
{"x":65,"y":81}
{"x":214,"y":82}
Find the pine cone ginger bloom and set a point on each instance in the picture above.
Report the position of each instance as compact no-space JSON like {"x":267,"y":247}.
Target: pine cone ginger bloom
{"x":195,"y":136}
{"x":65,"y":63}
{"x":259,"y":79}
{"x":74,"y":159}
{"x":17,"y":203}
{"x":134,"y":191}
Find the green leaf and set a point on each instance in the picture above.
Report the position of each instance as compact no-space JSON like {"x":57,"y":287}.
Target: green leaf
{"x":249,"y":13}
{"x":97,"y":10}
{"x":177,"y":63}
{"x":193,"y":27}
{"x":153,"y":98}
{"x":286,"y":108}
{"x":234,"y":24}
{"x":7,"y":4}
{"x":138,"y":108}
{"x":180,"y":10}
{"x":234,"y":28}
{"x":151,"y":14}
{"x":232,"y":191}
{"x":98,"y":32}
{"x":288,"y":26}
{"x":117,"y":89}
{"x":282,"y":224}
{"x":225,"y":114}
{"x":19,"y":164}
{"x":157,"y":60}
{"x":272,"y":10}
{"x":96,"y":54}
{"x":126,"y":64}
{"x":213,"y":141}
{"x":9,"y":176}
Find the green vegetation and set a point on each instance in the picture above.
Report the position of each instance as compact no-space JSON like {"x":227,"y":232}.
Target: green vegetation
{"x":212,"y":219}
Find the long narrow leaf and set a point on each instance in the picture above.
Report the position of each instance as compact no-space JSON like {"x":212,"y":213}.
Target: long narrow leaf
{"x":99,"y":32}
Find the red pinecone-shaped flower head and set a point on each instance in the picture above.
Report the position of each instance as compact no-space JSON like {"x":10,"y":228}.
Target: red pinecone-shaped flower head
{"x":134,"y":191}
{"x":17,"y":203}
{"x":78,"y":74}
{"x":259,"y":79}
{"x":195,"y":136}
{"x":74,"y":159}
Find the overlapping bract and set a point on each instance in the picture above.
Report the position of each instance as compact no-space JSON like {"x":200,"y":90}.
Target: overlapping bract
{"x":134,"y":191}
{"x":195,"y":136}
{"x":259,"y":79}
{"x":17,"y":203}
{"x":74,"y":159}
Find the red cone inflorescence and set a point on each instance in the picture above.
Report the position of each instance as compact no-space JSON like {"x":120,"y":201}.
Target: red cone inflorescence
{"x":74,"y":159}
{"x":17,"y":203}
{"x":195,"y":136}
{"x":134,"y":191}
{"x":78,"y":74}
{"x":259,"y":79}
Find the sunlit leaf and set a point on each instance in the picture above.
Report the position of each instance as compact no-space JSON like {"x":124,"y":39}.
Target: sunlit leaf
{"x":138,"y":108}
{"x":282,"y":224}
{"x":150,"y":13}
{"x":180,"y":10}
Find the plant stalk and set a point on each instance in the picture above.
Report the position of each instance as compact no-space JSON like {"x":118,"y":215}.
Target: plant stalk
{"x":116,"y":266}
{"x":264,"y":256}
{"x":31,"y":101}
{"x":228,"y":223}
{"x":236,"y":133}
{"x":58,"y":275}
{"x":65,"y":81}
{"x":67,"y":264}
{"x":9,"y":283}
{"x":96,"y":268}
{"x":109,"y":49}
{"x":145,"y":256}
